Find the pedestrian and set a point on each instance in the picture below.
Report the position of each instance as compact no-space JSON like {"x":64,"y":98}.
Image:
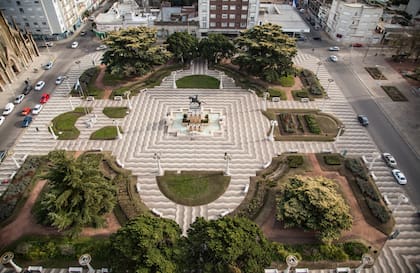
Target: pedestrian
{"x":37,"y":129}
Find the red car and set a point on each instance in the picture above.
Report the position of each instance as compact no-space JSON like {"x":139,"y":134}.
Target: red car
{"x":26,"y":111}
{"x":45,"y":97}
{"x":357,"y":45}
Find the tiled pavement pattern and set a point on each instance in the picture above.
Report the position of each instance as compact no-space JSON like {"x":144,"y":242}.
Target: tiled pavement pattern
{"x":244,"y":138}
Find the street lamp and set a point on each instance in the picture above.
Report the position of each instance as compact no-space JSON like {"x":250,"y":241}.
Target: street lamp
{"x":7,"y":258}
{"x":266,"y":96}
{"x":52,"y":131}
{"x":401,"y":199}
{"x":127,"y":93}
{"x":221,"y":81}
{"x":118,"y":129}
{"x":156,"y":156}
{"x":228,"y":158}
{"x":291,"y":261}
{"x":367,"y":259}
{"x":317,"y":70}
{"x":273,"y":124}
{"x":174,"y":80}
{"x":85,"y":260}
{"x":340,"y":129}
{"x":373,"y":160}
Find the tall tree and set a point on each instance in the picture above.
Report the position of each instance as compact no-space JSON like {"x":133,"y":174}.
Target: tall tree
{"x":78,"y":195}
{"x":133,"y":52}
{"x":183,"y":45}
{"x":265,"y":51}
{"x":313,"y":203}
{"x":227,"y":245}
{"x":216,"y":47}
{"x":146,"y":245}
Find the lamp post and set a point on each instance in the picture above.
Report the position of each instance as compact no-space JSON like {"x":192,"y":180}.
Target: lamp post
{"x":326,"y":95}
{"x":52,"y":131}
{"x":15,"y":161}
{"x":373,"y":160}
{"x":71,"y":104}
{"x":7,"y":258}
{"x":174,"y":80}
{"x":291,"y":261}
{"x":340,"y":129}
{"x":265,"y":96}
{"x":228,"y":158}
{"x":317,"y":70}
{"x":127,"y":93}
{"x":156,"y":156}
{"x":221,"y":81}
{"x":119,"y":136}
{"x":273,"y":124}
{"x":401,"y":199}
{"x":85,"y":260}
{"x":367,"y":259}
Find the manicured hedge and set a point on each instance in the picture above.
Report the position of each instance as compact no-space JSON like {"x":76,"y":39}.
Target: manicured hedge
{"x":312,"y":124}
{"x":378,"y":210}
{"x":367,"y":189}
{"x":288,"y":81}
{"x":294,"y":161}
{"x":332,"y":159}
{"x":287,"y":122}
{"x":355,"y":167}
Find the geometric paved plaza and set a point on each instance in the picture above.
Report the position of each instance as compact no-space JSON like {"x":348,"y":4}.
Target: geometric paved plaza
{"x":243,"y":136}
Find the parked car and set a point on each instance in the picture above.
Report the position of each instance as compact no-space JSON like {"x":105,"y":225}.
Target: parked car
{"x":49,"y":65}
{"x":334,"y":48}
{"x":2,"y":120}
{"x":389,"y":160}
{"x":60,"y":79}
{"x":37,"y":108}
{"x":8,"y":109}
{"x":26,"y":121}
{"x":333,"y":58}
{"x":399,"y":176}
{"x":91,"y":18}
{"x":3,"y":155}
{"x":356,"y":45}
{"x":83,"y":33}
{"x":26,"y":111}
{"x":101,"y":47}
{"x":19,"y":99}
{"x":39,"y":85}
{"x":44,"y":98}
{"x":317,"y":38}
{"x":27,"y":89}
{"x":74,"y":45}
{"x":363,"y":120}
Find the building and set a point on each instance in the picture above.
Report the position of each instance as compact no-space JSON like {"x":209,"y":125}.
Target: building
{"x":351,"y":22}
{"x":318,"y":12}
{"x":47,"y":19}
{"x":17,"y":51}
{"x":227,"y":17}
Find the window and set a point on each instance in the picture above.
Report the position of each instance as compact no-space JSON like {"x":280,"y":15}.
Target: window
{"x":212,"y":7}
{"x":243,"y":24}
{"x":232,"y":24}
{"x":212,"y":24}
{"x":18,"y":3}
{"x":21,"y":10}
{"x":244,"y":7}
{"x":213,"y":15}
{"x":224,"y":24}
{"x":243,"y":16}
{"x":232,"y":7}
{"x":224,"y":16}
{"x":36,"y":2}
{"x":225,"y":7}
{"x":35,"y":23}
{"x":44,"y":23}
{"x":27,"y":24}
{"x":231,"y":16}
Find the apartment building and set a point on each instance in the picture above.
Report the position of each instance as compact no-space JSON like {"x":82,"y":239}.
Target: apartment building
{"x":350,"y":22}
{"x":45,"y":19}
{"x":227,"y":16}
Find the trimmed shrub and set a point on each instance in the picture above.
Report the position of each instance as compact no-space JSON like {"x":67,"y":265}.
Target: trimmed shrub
{"x":287,"y":81}
{"x":312,"y":124}
{"x":300,"y":93}
{"x":355,"y":167}
{"x":378,"y":210}
{"x":367,"y":189}
{"x":354,"y":250}
{"x":287,"y":122}
{"x":315,"y":90}
{"x":333,"y":252}
{"x":294,"y":161}
{"x":332,"y":159}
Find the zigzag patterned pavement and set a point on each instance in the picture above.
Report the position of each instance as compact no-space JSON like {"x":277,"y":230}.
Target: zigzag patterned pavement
{"x":243,"y":137}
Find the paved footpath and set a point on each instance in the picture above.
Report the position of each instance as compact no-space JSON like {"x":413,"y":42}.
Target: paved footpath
{"x":243,"y":136}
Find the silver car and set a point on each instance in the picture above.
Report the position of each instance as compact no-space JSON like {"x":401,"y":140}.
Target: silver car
{"x":389,"y":160}
{"x":399,"y":176}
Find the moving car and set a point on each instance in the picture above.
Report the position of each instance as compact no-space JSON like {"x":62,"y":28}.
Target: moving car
{"x":389,"y":160}
{"x":363,"y":120}
{"x":399,"y":176}
{"x":333,"y":58}
{"x":74,"y":45}
{"x":356,"y":45}
{"x":101,"y":47}
{"x":49,"y":65}
{"x":44,"y":98}
{"x":334,"y":48}
{"x":27,"y":89}
{"x":8,"y":109}
{"x":91,"y":18}
{"x":2,"y":120}
{"x":26,"y":111}
{"x":26,"y":121}
{"x":317,"y":38}
{"x":37,"y":108}
{"x":19,"y":99}
{"x":39,"y":85}
{"x":83,"y":33}
{"x":59,"y":79}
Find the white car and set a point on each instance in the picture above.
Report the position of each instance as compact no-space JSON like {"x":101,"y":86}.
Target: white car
{"x":389,"y":160}
{"x":334,"y":48}
{"x":60,"y":79}
{"x":74,"y":45}
{"x":49,"y":65}
{"x":2,"y":120}
{"x":39,"y":85}
{"x":101,"y":47}
{"x":8,"y":109}
{"x":333,"y":58}
{"x":37,"y":108}
{"x":399,"y":176}
{"x":19,"y":99}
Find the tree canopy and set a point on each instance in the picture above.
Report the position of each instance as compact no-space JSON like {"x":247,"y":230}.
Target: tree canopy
{"x":133,"y":52}
{"x":78,"y":195}
{"x":183,"y":45}
{"x":265,"y":51}
{"x":216,"y":47}
{"x":146,"y":245}
{"x":313,"y":203}
{"x":227,"y":245}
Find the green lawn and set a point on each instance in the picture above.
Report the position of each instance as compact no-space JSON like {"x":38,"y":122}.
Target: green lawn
{"x":105,"y":133}
{"x":63,"y":125}
{"x":198,"y":81}
{"x":115,"y":112}
{"x":274,"y":92}
{"x":193,"y":188}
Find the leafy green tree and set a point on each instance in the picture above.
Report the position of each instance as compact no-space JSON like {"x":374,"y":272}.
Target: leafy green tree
{"x":133,"y":52}
{"x":313,"y":203}
{"x":78,"y":195}
{"x":183,"y":45}
{"x":146,"y":245}
{"x":227,"y":245}
{"x":216,"y":47}
{"x":265,"y":51}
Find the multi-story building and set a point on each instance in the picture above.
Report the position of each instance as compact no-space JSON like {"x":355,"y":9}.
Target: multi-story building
{"x":227,"y":16}
{"x":350,"y":21}
{"x":318,"y":11}
{"x":46,"y":19}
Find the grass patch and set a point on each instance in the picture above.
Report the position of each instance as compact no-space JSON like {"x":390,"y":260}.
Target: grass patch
{"x":87,"y":83}
{"x":275,"y":92}
{"x":375,"y":73}
{"x":300,"y":94}
{"x":115,"y":112}
{"x":198,"y":81}
{"x":113,"y":80}
{"x":332,"y":159}
{"x":63,"y":125}
{"x":394,"y":93}
{"x":193,"y":188}
{"x":105,"y":133}
{"x":288,"y":81}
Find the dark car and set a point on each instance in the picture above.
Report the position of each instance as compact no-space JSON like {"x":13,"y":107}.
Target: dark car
{"x":2,"y":155}
{"x":317,"y":38}
{"x":26,"y":121}
{"x":363,"y":120}
{"x":356,"y":45}
{"x":27,"y":89}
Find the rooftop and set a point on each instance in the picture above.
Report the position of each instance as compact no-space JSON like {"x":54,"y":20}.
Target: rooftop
{"x":283,"y":15}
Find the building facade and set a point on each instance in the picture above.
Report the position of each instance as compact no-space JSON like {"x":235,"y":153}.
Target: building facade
{"x":227,"y":16}
{"x":17,"y":51}
{"x":46,"y":19}
{"x":353,"y":22}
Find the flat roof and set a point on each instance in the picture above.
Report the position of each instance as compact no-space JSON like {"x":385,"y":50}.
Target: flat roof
{"x":284,"y":15}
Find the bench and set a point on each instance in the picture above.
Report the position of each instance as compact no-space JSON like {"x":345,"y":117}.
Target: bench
{"x":343,"y":270}
{"x":265,"y":165}
{"x":246,"y":188}
{"x":138,"y":187}
{"x":372,"y":174}
{"x":365,"y":160}
{"x":119,"y":163}
{"x":35,"y":269}
{"x":387,"y":200}
{"x":98,"y":149}
{"x":90,"y":98}
{"x":275,"y":99}
{"x":304,"y":100}
{"x":293,"y":151}
{"x":226,"y":212}
{"x":326,"y":151}
{"x":12,"y":175}
{"x":24,"y":157}
{"x":118,"y":98}
{"x":75,"y":269}
{"x":301,"y":270}
{"x":157,"y":213}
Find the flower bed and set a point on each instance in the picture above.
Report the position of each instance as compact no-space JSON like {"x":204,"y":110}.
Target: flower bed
{"x":287,"y":122}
